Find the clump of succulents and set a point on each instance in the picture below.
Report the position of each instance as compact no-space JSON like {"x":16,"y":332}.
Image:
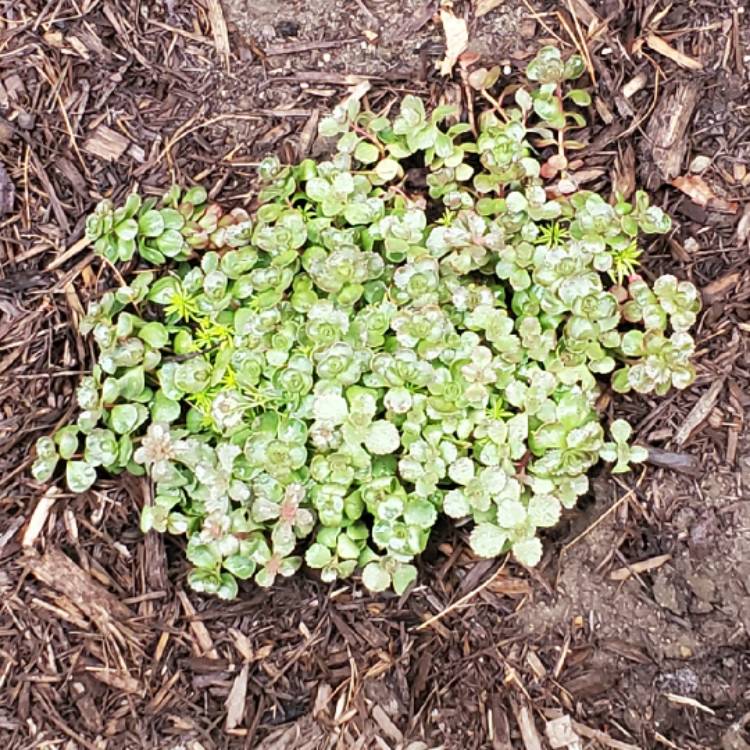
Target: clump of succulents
{"x":318,"y":382}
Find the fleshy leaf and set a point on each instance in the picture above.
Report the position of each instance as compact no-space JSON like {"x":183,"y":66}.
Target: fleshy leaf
{"x":488,"y":540}
{"x":528,"y":551}
{"x":79,"y":476}
{"x":375,"y":577}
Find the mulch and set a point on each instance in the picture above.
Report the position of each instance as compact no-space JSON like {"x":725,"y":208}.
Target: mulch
{"x":101,"y":643}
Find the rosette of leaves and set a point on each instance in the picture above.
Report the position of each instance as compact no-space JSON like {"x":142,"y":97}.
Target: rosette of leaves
{"x":318,"y":382}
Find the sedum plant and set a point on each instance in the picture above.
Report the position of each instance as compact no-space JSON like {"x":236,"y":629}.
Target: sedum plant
{"x":318,"y":382}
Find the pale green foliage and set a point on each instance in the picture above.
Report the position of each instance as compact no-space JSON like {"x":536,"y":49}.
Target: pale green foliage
{"x":322,"y":380}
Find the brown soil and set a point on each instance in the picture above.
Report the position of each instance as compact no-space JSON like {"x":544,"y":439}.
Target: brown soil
{"x":648,"y":656}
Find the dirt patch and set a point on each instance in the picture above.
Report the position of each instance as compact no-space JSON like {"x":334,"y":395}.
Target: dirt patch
{"x":680,"y":628}
{"x":396,"y":40}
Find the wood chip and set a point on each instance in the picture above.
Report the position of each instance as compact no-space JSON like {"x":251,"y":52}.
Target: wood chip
{"x":7,"y":131}
{"x":204,"y":645}
{"x":242,"y":644}
{"x":664,"y":48}
{"x":634,"y":85}
{"x":57,"y":207}
{"x":121,"y":681}
{"x":622,"y":574}
{"x":666,"y":132}
{"x":11,"y":531}
{"x":456,"y":40}
{"x":39,"y":517}
{"x":699,"y":412}
{"x":322,"y":699}
{"x":733,"y":438}
{"x":236,"y":699}
{"x":685,"y":701}
{"x":702,"y":194}
{"x":625,"y":650}
{"x":294,"y":48}
{"x":500,"y":725}
{"x":107,"y":144}
{"x":536,"y":665}
{"x":603,"y":738}
{"x":67,"y":611}
{"x":509,"y":586}
{"x":218,"y":28}
{"x":526,"y":724}
{"x":7,"y":191}
{"x":674,"y":461}
{"x":307,"y":135}
{"x":58,"y":571}
{"x":623,"y":173}
{"x":385,"y":723}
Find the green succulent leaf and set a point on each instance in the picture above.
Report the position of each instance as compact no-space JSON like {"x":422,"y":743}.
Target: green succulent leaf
{"x":79,"y":476}
{"x":151,"y":224}
{"x":124,"y":418}
{"x":488,"y":539}
{"x":528,"y":551}
{"x":375,"y":577}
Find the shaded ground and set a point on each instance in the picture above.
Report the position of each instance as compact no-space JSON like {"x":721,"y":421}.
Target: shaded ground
{"x":656,"y":657}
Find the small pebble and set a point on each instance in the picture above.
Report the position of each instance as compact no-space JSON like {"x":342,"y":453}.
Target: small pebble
{"x":25,"y":120}
{"x":691,"y":245}
{"x":700,"y":164}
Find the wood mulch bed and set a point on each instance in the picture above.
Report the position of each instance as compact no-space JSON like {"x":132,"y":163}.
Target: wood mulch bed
{"x":634,"y":627}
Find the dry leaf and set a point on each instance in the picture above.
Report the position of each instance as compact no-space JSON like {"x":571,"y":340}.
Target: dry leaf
{"x":701,"y":193}
{"x":485,"y":6}
{"x":719,"y":287}
{"x":699,"y":412}
{"x":663,"y":48}
{"x":456,"y":40}
{"x":582,"y":176}
{"x":743,"y":227}
{"x":236,"y":699}
{"x":622,"y":574}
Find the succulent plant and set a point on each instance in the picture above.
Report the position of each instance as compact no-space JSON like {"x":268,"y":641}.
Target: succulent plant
{"x":321,"y":380}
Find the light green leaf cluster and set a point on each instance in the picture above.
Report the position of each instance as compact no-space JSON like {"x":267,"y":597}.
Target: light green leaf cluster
{"x":320,"y":381}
